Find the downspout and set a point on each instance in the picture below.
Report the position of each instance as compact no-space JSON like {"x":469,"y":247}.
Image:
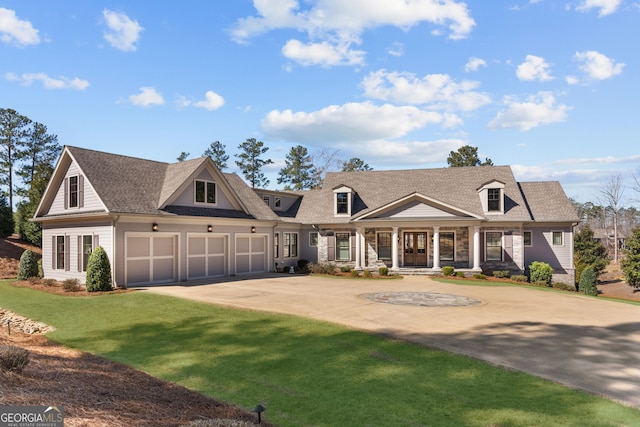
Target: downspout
{"x":273,"y":239}
{"x":113,"y":250}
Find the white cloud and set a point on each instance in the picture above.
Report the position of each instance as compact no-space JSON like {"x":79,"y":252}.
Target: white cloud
{"x":534,"y":68}
{"x":27,"y":79}
{"x":438,"y":90}
{"x":16,"y":31}
{"x":396,"y":49}
{"x":606,"y":7}
{"x":474,"y":64}
{"x":353,"y":122}
{"x":122,"y":33}
{"x":147,"y":96}
{"x":405,"y":153}
{"x":212,"y":101}
{"x":572,"y":80}
{"x":333,"y":26}
{"x":324,"y":53}
{"x":537,"y":110}
{"x":598,"y":66}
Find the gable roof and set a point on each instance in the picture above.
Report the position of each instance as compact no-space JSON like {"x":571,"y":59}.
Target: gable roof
{"x":547,"y":202}
{"x":454,"y":187}
{"x":132,"y":185}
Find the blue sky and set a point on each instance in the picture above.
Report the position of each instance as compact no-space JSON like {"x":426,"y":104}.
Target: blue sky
{"x":550,"y":88}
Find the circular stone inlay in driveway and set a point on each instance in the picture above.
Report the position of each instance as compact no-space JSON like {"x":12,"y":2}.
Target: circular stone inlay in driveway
{"x":424,"y":299}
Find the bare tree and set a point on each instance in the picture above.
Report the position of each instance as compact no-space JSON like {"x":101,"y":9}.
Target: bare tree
{"x":324,"y":160}
{"x":613,"y":193}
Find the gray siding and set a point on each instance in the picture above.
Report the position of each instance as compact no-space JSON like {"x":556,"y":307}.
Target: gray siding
{"x":416,"y":209}
{"x":187,"y":197}
{"x":542,"y":249}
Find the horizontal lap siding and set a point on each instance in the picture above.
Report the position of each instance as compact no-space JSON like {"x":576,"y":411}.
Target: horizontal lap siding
{"x":91,"y":202}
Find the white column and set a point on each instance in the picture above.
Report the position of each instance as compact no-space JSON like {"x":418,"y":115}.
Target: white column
{"x":358,"y":249}
{"x":394,"y":249}
{"x":436,"y":247}
{"x":476,"y":247}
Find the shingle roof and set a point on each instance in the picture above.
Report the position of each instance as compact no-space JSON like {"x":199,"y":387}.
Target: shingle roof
{"x":133,"y":185}
{"x":456,"y":187}
{"x":548,"y":202}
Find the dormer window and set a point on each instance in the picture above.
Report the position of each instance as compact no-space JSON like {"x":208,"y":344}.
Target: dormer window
{"x":205,"y":192}
{"x":493,"y":199}
{"x":342,"y":201}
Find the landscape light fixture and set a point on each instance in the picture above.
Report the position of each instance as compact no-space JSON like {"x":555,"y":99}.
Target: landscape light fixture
{"x":259,"y":409}
{"x":154,"y":227}
{"x":209,"y":228}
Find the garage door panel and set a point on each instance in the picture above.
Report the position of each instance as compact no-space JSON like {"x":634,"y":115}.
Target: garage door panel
{"x":242,"y":244}
{"x":163,"y":270}
{"x":138,"y":247}
{"x":257,"y":263}
{"x":217,"y":245}
{"x":197,"y":267}
{"x":217,"y":266}
{"x":163,"y":246}
{"x":207,"y":256}
{"x":257,"y":244}
{"x":196,"y":245}
{"x":251,"y":254}
{"x":138,"y":271}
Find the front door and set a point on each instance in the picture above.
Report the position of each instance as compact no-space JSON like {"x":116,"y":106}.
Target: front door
{"x":415,"y":249}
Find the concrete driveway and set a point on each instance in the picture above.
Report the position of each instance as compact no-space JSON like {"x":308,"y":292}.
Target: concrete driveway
{"x":584,"y":343}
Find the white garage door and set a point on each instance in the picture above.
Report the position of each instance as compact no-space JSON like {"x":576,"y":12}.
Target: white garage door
{"x":251,"y":254}
{"x":206,"y":256}
{"x":151,"y":258}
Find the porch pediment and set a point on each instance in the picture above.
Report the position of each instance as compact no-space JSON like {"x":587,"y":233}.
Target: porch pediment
{"x":416,"y":205}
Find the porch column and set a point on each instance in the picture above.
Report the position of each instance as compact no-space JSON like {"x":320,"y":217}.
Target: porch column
{"x":436,"y":248}
{"x":358,"y":249}
{"x":394,"y":249}
{"x":476,"y":247}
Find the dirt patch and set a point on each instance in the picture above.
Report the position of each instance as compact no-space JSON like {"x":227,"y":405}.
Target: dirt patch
{"x":99,"y":393}
{"x":11,"y":249}
{"x":613,"y":285}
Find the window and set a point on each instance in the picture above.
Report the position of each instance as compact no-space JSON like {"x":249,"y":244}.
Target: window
{"x":205,"y":192}
{"x":277,"y":202}
{"x":447,"y":246}
{"x":526,"y":237}
{"x":342,"y":203}
{"x":313,"y":238}
{"x":493,"y":246}
{"x":276,"y":245}
{"x":290,"y":245}
{"x":73,"y":191}
{"x":493,"y":198}
{"x":343,"y":247}
{"x":384,"y":245}
{"x":558,"y":238}
{"x":266,"y":200}
{"x":87,"y":248}
{"x":60,"y":252}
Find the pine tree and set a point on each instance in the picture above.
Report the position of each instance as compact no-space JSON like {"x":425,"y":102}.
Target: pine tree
{"x":218,"y":154}
{"x":251,"y":164}
{"x":631,"y":262}
{"x":355,"y":164}
{"x":298,"y":170}
{"x":588,"y":252}
{"x":14,"y":130}
{"x":467,"y":156}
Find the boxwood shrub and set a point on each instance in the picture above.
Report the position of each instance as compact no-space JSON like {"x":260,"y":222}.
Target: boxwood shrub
{"x":98,"y":271}
{"x":448,"y":270}
{"x":540,"y":272}
{"x":28,"y":265}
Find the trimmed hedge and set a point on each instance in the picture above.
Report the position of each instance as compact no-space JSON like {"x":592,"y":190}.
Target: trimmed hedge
{"x":28,"y":265}
{"x":540,"y":272}
{"x":383,"y":271}
{"x":98,"y":271}
{"x":588,"y":282}
{"x":448,"y":270}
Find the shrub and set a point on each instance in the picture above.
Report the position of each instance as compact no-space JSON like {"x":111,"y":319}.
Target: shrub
{"x":354,"y":273}
{"x":324,"y":268}
{"x":459,"y":273}
{"x":501,"y":274}
{"x":631,"y":262}
{"x":6,"y":217}
{"x":40,"y":270}
{"x":345,"y":269}
{"x":447,"y":271}
{"x":303,"y":265}
{"x":28,"y":265}
{"x":34,"y":280}
{"x":519,"y":278}
{"x":383,"y":271}
{"x":540,"y":272}
{"x":588,"y":282}
{"x":13,"y":358}
{"x":49,"y":282}
{"x":541,"y":283}
{"x":480,"y":276}
{"x":366,"y":273}
{"x":71,"y":285}
{"x":98,"y":271}
{"x":588,"y":252}
{"x":563,"y":286}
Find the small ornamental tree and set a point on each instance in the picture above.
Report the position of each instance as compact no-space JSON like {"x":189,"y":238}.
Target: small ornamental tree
{"x":631,"y":262}
{"x":588,"y":285}
{"x":540,"y":272}
{"x":98,"y":271}
{"x":28,"y":265}
{"x":588,"y":252}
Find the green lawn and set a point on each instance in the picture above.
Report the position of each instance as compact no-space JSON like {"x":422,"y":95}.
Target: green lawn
{"x":307,"y":372}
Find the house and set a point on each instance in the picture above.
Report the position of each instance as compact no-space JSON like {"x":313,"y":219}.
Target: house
{"x":163,"y":223}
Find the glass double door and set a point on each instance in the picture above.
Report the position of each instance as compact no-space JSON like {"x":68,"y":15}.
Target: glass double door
{"x":415,"y":249}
